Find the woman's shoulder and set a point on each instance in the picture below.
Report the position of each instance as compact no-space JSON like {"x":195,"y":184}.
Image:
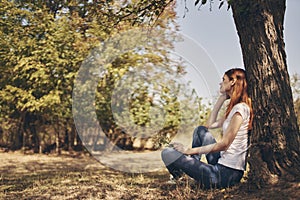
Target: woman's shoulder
{"x":242,"y":108}
{"x":241,"y":105}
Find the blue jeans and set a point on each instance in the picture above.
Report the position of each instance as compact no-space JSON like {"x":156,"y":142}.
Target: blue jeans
{"x":211,"y":175}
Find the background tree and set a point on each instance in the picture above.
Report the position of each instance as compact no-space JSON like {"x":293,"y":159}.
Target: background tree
{"x":39,"y":63}
{"x":151,"y":87}
{"x":43,"y":44}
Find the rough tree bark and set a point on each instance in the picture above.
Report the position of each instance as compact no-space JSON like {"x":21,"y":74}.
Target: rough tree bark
{"x":275,"y":150}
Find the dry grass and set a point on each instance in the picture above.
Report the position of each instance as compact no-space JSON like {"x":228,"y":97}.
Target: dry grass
{"x":82,"y":177}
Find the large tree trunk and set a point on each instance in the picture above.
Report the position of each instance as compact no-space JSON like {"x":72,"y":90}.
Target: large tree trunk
{"x":275,"y":137}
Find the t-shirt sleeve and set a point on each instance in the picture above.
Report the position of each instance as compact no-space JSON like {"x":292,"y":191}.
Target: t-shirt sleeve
{"x":243,"y":109}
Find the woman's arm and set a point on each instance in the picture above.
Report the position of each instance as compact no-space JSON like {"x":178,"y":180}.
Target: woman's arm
{"x":212,"y":121}
{"x":222,"y":145}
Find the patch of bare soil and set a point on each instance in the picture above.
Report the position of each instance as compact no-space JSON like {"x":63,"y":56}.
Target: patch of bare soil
{"x":81,"y":176}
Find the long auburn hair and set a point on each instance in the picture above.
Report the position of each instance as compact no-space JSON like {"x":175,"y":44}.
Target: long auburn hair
{"x":239,"y":91}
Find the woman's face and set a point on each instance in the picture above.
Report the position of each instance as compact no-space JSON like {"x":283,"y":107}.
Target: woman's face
{"x":226,"y":85}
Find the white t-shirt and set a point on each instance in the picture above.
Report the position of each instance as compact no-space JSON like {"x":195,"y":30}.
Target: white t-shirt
{"x":235,"y":156}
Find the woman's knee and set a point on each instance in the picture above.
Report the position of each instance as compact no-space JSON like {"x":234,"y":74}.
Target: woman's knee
{"x":167,"y":152}
{"x":200,"y":130}
{"x":170,"y":155}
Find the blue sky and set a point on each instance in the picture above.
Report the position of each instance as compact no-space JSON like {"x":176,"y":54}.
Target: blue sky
{"x":215,"y":32}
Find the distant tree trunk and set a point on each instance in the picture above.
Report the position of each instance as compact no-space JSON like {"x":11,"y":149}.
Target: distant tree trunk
{"x":69,"y":136}
{"x":35,"y":138}
{"x":21,"y":131}
{"x":72,"y":135}
{"x":57,"y":138}
{"x":275,"y":138}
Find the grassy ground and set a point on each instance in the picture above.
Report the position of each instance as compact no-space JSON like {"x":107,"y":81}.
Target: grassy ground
{"x":82,"y":177}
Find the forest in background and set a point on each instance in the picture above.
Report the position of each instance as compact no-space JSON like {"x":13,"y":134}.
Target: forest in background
{"x":43,"y":46}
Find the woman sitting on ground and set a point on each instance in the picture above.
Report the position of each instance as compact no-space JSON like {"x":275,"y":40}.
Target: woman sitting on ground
{"x":226,"y":159}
